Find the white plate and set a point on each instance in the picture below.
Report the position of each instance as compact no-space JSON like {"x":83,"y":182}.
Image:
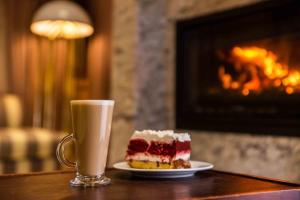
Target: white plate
{"x":165,"y":173}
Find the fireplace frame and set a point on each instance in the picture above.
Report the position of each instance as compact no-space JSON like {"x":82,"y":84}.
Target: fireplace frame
{"x":187,"y":116}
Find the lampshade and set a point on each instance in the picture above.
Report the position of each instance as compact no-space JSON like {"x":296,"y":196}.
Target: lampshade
{"x":61,"y":19}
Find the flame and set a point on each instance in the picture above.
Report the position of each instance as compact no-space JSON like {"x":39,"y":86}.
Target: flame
{"x":258,"y":69}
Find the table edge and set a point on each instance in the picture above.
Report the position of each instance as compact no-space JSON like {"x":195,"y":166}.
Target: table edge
{"x":36,"y":173}
{"x":267,"y":179}
{"x":247,"y":194}
{"x":272,"y":180}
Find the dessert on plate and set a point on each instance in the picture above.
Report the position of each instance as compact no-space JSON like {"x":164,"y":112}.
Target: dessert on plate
{"x":150,"y":149}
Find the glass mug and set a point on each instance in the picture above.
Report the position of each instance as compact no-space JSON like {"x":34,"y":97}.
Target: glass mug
{"x":91,"y":120}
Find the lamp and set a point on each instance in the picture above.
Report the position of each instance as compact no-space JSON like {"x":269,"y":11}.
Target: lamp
{"x":61,"y":19}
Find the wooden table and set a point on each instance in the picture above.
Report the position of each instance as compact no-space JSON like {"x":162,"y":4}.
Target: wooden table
{"x":204,"y":185}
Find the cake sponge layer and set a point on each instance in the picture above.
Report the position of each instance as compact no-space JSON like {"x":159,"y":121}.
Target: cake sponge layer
{"x":159,"y":165}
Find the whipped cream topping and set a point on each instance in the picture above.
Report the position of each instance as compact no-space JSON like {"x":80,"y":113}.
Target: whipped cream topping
{"x":162,"y":136}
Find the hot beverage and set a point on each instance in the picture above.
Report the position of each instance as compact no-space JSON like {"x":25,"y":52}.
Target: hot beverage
{"x":91,"y":121}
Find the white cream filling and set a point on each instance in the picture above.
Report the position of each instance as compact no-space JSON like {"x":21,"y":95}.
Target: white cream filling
{"x":182,"y":156}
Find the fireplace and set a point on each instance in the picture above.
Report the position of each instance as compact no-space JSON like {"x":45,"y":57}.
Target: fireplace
{"x":239,"y":70}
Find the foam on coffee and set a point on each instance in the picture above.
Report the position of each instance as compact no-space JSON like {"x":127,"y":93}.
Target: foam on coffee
{"x":93,"y":102}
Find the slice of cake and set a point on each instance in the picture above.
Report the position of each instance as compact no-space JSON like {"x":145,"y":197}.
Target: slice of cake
{"x":159,"y":150}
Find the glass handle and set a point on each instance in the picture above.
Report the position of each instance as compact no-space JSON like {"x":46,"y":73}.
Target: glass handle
{"x":60,"y":151}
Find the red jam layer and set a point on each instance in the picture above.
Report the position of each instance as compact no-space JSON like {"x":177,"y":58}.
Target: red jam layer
{"x":157,"y":148}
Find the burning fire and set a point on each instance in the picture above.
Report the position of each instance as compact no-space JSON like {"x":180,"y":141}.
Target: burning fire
{"x":258,"y":69}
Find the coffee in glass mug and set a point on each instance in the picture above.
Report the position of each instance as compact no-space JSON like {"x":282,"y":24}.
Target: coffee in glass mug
{"x":91,"y":121}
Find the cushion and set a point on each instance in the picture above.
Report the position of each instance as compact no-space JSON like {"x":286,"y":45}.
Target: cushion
{"x":28,"y":165}
{"x":28,"y":143}
{"x":10,"y":111}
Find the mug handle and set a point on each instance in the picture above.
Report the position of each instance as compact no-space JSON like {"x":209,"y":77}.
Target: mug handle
{"x":60,"y":151}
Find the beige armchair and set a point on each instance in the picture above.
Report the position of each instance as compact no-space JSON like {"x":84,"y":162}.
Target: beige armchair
{"x":24,"y":149}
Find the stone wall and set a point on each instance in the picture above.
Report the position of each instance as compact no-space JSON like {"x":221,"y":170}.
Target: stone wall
{"x":143,"y":87}
{"x":123,"y":83}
